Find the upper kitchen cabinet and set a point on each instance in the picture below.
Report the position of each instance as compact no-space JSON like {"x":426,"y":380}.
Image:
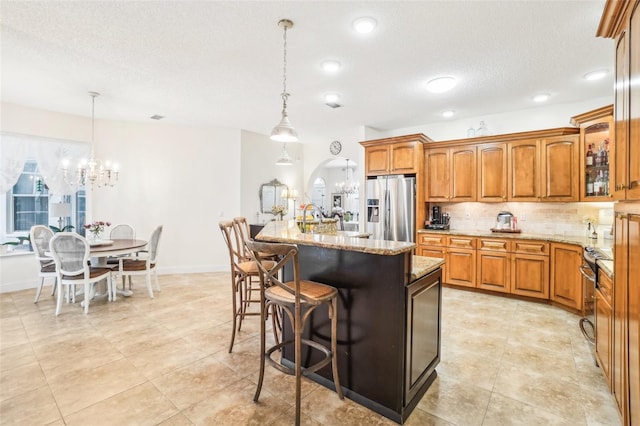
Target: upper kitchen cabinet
{"x":543,"y":169}
{"x":524,"y":171}
{"x":621,"y":21}
{"x":560,"y":165}
{"x":450,"y":174}
{"x":597,"y":153}
{"x":492,"y":172}
{"x":397,"y":155}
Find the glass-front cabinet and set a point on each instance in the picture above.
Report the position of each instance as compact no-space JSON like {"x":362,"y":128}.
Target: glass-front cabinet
{"x":596,"y":153}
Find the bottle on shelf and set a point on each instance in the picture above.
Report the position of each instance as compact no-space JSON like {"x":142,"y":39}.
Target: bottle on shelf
{"x":589,"y":159}
{"x":598,"y":159}
{"x":589,"y":185}
{"x":606,"y":182}
{"x":597,"y":186}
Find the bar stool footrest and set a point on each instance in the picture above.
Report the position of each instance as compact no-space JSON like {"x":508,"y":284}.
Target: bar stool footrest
{"x":305,"y":370}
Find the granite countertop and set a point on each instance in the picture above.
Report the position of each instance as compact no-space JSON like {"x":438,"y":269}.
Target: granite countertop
{"x":606,"y":266}
{"x":288,"y":232}
{"x":600,"y":243}
{"x":422,"y":265}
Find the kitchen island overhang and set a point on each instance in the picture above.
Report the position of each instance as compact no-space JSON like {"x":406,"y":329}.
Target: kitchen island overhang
{"x":388,"y":315}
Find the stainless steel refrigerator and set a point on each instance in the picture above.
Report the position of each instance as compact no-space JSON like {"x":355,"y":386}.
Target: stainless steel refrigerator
{"x":391,"y":208}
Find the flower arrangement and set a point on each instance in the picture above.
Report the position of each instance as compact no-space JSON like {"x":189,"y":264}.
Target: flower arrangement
{"x":97,"y":228}
{"x":279,"y":210}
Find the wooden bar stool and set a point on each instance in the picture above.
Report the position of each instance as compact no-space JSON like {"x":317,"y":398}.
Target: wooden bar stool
{"x":298,"y":298}
{"x":243,"y":271}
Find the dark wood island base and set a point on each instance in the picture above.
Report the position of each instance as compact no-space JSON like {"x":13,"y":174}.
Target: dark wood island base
{"x":388,"y":317}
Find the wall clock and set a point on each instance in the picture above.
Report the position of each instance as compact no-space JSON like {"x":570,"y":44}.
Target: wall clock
{"x":335,"y":147}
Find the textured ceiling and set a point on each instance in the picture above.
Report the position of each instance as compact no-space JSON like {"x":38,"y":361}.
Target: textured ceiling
{"x":220,"y":63}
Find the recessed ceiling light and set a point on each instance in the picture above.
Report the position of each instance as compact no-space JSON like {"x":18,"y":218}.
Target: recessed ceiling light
{"x":441,"y":84}
{"x":331,"y":66}
{"x":364,"y":25}
{"x":595,"y":75}
{"x":331,"y":98}
{"x":157,"y":117}
{"x":448,"y":113}
{"x":542,"y":97}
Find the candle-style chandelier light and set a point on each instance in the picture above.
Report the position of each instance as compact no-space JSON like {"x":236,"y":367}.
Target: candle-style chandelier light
{"x":93,"y":171}
{"x":348,"y":186}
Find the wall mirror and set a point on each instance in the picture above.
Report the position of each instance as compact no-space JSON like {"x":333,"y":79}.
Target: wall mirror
{"x":272,"y":194}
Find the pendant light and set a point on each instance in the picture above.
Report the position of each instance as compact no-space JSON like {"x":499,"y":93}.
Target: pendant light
{"x":284,"y":160}
{"x":97,"y":172}
{"x":284,"y":131}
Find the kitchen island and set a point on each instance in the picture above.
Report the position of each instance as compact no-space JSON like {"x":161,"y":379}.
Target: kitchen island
{"x":388,"y":315}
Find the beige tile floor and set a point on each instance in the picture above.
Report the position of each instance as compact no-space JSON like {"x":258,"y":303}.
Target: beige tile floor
{"x":164,"y":361}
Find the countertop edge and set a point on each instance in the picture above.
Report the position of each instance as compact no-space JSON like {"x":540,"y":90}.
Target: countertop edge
{"x":288,"y":232}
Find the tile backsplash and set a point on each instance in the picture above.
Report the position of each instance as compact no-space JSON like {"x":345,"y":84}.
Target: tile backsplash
{"x":539,"y":218}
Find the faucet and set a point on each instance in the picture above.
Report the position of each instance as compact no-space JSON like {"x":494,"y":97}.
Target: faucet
{"x":304,"y":215}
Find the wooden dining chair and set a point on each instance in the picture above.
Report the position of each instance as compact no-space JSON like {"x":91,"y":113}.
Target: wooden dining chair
{"x":70,"y":253}
{"x":40,"y":237}
{"x":145,"y":263}
{"x":298,"y":298}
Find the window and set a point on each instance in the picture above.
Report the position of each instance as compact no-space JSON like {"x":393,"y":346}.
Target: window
{"x":28,"y":203}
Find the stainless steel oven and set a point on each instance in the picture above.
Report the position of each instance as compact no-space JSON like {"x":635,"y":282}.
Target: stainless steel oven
{"x":589,"y":270}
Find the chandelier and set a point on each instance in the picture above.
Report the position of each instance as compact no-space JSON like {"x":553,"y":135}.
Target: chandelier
{"x":284,"y":131}
{"x":95,"y":171}
{"x":349,"y":186}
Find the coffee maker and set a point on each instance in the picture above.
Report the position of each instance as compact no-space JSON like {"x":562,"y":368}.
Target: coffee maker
{"x":438,"y":220}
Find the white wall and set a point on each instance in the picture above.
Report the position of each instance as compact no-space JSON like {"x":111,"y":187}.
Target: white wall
{"x":543,"y":117}
{"x":258,"y":166}
{"x":184,"y":178}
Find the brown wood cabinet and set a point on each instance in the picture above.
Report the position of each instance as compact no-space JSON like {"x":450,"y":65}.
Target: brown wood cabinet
{"x":621,"y":21}
{"x":543,"y":169}
{"x":498,"y":264}
{"x":399,"y":155}
{"x":492,"y":172}
{"x":530,"y":269}
{"x":524,"y":171}
{"x":596,"y":131}
{"x":566,"y":282}
{"x":450,"y":174}
{"x":560,"y":169}
{"x":494,"y":265}
{"x":461,"y":261}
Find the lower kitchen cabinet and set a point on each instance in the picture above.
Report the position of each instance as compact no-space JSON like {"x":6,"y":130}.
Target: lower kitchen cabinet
{"x":494,"y":265}
{"x":461,"y":267}
{"x":461,"y":261}
{"x":566,"y":282}
{"x":604,"y":326}
{"x":530,"y":275}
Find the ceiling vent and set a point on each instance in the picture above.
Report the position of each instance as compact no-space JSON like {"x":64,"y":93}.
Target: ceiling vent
{"x":333,"y":105}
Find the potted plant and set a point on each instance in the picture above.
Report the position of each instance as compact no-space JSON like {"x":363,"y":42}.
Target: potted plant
{"x":20,"y":242}
{"x":67,"y":228}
